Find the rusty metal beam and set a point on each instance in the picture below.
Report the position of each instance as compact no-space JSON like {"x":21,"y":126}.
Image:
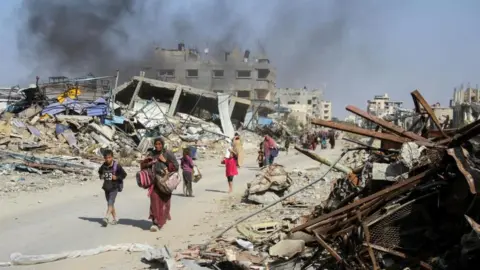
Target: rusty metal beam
{"x":465,"y":133}
{"x":360,"y":131}
{"x":367,"y":240}
{"x":460,"y":155}
{"x":417,"y":96}
{"x":396,"y":253}
{"x":314,"y":156}
{"x":385,"y":124}
{"x":410,"y":181}
{"x":328,"y":248}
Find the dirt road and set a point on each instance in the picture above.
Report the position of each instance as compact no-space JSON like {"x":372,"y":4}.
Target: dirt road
{"x":68,"y":218}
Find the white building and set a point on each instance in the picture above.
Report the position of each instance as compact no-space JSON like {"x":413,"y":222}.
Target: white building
{"x":354,"y":119}
{"x":381,"y":105}
{"x":326,"y":110}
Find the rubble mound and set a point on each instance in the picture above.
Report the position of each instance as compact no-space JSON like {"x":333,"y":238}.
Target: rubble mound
{"x":269,"y":185}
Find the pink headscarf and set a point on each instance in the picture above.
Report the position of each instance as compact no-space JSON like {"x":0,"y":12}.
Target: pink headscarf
{"x":269,"y":142}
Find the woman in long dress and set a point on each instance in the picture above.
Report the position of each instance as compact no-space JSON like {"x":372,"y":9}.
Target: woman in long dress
{"x":238,"y":149}
{"x":160,"y":202}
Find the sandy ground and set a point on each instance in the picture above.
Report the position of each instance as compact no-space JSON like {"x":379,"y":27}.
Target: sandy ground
{"x":68,"y":217}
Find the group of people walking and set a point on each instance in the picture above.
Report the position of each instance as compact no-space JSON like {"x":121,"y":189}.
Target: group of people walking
{"x":312,"y":139}
{"x":161,"y":164}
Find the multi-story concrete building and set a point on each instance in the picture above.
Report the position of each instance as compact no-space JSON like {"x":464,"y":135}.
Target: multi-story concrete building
{"x":465,"y":105}
{"x":232,"y":72}
{"x":326,"y":110}
{"x":308,"y":101}
{"x":381,"y":105}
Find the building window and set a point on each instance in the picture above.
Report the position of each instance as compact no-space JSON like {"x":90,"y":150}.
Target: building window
{"x":218,"y":73}
{"x":244,"y":74}
{"x":325,"y":117}
{"x":192,"y":73}
{"x":325,"y":111}
{"x":243,"y":94}
{"x":218,"y":91}
{"x":309,"y":102}
{"x":325,"y":106}
{"x":165,"y":73}
{"x":263,"y":73}
{"x":291,"y":102}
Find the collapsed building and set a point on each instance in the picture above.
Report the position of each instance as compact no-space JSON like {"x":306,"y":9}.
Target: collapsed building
{"x":412,"y":203}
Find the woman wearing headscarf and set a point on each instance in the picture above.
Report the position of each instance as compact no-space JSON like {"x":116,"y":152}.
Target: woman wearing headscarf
{"x":238,"y":149}
{"x":165,"y":162}
{"x":269,"y":146}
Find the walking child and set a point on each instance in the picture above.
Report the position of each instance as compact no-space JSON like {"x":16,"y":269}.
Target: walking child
{"x":187,"y":166}
{"x":112,"y":175}
{"x":230,"y":169}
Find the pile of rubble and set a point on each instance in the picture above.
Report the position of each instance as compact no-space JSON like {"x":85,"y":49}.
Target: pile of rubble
{"x":411,"y":204}
{"x":274,"y":182}
{"x":48,"y":132}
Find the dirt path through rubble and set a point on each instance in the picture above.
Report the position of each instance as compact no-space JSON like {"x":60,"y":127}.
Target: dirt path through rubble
{"x":67,"y":218}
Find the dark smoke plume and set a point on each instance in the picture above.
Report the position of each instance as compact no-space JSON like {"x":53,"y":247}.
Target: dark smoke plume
{"x":308,"y":41}
{"x":75,"y":36}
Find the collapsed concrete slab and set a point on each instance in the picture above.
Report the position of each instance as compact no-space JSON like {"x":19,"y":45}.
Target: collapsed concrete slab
{"x":182,"y":98}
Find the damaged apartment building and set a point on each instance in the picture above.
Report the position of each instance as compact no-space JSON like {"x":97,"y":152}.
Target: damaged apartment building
{"x":304,"y":103}
{"x":234,"y":73}
{"x":465,"y":105}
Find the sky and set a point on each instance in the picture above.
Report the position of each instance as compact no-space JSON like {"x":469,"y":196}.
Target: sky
{"x":355,"y":49}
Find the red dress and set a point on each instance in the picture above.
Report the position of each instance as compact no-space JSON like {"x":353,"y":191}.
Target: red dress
{"x":160,"y":202}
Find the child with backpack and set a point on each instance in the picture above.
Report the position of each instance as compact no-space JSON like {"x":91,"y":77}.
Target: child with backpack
{"x":112,"y":175}
{"x":230,"y":169}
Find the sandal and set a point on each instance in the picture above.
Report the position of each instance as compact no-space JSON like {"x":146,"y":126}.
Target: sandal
{"x":105,"y":222}
{"x":114,"y":222}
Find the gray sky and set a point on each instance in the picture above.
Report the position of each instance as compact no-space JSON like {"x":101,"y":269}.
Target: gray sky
{"x":356,"y":48}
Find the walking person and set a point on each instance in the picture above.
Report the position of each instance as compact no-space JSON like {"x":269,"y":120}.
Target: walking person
{"x":238,"y":149}
{"x":287,"y":144}
{"x":112,"y":175}
{"x":270,"y":150}
{"x":165,"y":162}
{"x":332,"y":139}
{"x":187,"y":172}
{"x":230,"y":169}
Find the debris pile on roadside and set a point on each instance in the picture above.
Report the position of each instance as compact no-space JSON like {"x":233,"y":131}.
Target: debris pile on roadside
{"x":412,"y":204}
{"x":79,"y":118}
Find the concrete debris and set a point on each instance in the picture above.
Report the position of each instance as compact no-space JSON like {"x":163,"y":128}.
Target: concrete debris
{"x":83,"y":117}
{"x":287,"y":248}
{"x":269,"y":185}
{"x":410,"y":202}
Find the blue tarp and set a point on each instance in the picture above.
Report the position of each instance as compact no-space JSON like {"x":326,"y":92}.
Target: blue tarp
{"x":264,"y":121}
{"x":97,"y":108}
{"x":115,"y":120}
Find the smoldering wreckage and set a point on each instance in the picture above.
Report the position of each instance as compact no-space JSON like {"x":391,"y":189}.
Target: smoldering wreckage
{"x":411,"y":203}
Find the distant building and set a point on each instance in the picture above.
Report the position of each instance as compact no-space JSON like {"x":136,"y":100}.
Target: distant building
{"x":443,"y":114}
{"x":242,"y":75}
{"x":354,"y":119}
{"x":301,"y":99}
{"x":326,"y":110}
{"x":305,"y":104}
{"x":381,"y":105}
{"x":465,"y":105}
